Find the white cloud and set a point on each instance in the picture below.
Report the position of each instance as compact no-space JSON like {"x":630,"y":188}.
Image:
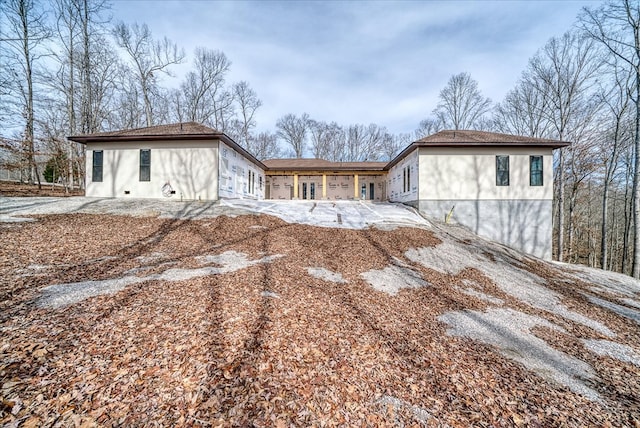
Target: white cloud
{"x":360,"y":62}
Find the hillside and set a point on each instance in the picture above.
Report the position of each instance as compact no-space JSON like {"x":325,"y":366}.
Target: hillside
{"x":226,"y":315}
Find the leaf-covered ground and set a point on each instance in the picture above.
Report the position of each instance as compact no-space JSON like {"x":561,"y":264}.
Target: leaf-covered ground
{"x":295,"y":336}
{"x":11,"y":188}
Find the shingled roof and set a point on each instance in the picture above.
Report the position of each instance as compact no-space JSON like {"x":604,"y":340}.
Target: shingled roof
{"x":173,"y":131}
{"x":180,"y":129}
{"x":482,"y":138}
{"x":465,"y":138}
{"x":321,"y":164}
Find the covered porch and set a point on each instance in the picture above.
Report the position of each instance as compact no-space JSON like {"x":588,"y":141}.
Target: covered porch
{"x":317,"y":179}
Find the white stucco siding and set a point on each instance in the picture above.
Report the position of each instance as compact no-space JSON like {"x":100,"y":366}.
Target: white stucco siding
{"x":400,"y":187}
{"x":470,"y":174}
{"x":239,"y":177}
{"x":189,"y":167}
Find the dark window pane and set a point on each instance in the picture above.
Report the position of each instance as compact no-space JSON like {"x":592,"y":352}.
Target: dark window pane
{"x":535,"y":169}
{"x":502,"y":170}
{"x":145,"y":165}
{"x":96,"y":174}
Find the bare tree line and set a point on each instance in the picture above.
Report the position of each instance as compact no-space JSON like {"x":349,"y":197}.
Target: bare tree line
{"x":67,"y":70}
{"x":582,"y":87}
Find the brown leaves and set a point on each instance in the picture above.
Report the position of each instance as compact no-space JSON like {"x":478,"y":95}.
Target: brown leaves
{"x":220,"y":350}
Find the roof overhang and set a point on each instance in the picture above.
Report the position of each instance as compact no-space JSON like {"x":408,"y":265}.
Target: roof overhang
{"x":87,"y":139}
{"x":546,"y":144}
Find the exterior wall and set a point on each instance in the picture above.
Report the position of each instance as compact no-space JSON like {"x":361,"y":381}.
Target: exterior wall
{"x":463,"y":181}
{"x":188,"y":166}
{"x":339,"y":186}
{"x":379,"y":187}
{"x":470,"y":173}
{"x":396,"y":180}
{"x":280,"y":187}
{"x":522,"y":224}
{"x":234,"y":175}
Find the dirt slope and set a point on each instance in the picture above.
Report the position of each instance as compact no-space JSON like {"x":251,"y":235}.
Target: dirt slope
{"x":254,"y":321}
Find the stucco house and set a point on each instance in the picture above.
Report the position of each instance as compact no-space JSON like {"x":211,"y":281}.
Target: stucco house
{"x":498,"y":185}
{"x":182,"y":160}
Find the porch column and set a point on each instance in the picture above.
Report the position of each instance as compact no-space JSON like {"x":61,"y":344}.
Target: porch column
{"x":295,"y":186}
{"x":324,"y":186}
{"x":355,"y":187}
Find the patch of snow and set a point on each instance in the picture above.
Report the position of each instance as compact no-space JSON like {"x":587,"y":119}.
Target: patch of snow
{"x":393,"y":278}
{"x":614,"y":350}
{"x":151,"y":257}
{"x":624,"y":311}
{"x":418,"y":412}
{"x":352,"y":214}
{"x":631,"y":302}
{"x":59,"y":295}
{"x":326,"y":274}
{"x":480,"y":295}
{"x":450,"y":257}
{"x":509,"y":331}
{"x":11,"y":219}
{"x":233,"y":260}
{"x":270,"y":294}
{"x":603,"y":281}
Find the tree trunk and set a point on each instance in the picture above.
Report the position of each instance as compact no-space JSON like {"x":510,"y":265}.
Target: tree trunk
{"x":560,"y":212}
{"x":635,"y":270}
{"x":603,"y":226}
{"x":29,"y":126}
{"x":627,"y":223}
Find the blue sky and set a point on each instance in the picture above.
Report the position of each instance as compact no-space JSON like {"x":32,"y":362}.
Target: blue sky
{"x":380,"y":62}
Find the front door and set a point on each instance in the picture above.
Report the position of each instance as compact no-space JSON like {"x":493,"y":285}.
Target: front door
{"x":308,"y":190}
{"x":371,"y":191}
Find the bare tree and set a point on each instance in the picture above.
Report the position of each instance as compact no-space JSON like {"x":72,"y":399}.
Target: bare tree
{"x":149,"y":57}
{"x":562,"y":71}
{"x":293,"y":130}
{"x":203,"y":86}
{"x":616,"y":99}
{"x":427,"y":127}
{"x":462,"y":105}
{"x":364,"y":143}
{"x":248,"y":104}
{"x":522,"y":111}
{"x":27,"y":31}
{"x":264,"y":146}
{"x":86,"y":74}
{"x":393,"y":145}
{"x":327,"y":140}
{"x":616,"y":27}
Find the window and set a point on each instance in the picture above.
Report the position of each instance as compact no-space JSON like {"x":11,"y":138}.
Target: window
{"x":145,"y":165}
{"x":404,"y":179}
{"x":535,"y":171}
{"x":96,"y":175}
{"x":502,"y":170}
{"x":408,"y":179}
{"x":260,"y":182}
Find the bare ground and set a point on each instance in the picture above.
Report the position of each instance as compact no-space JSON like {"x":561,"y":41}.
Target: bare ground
{"x":272,"y":344}
{"x":11,"y":188}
